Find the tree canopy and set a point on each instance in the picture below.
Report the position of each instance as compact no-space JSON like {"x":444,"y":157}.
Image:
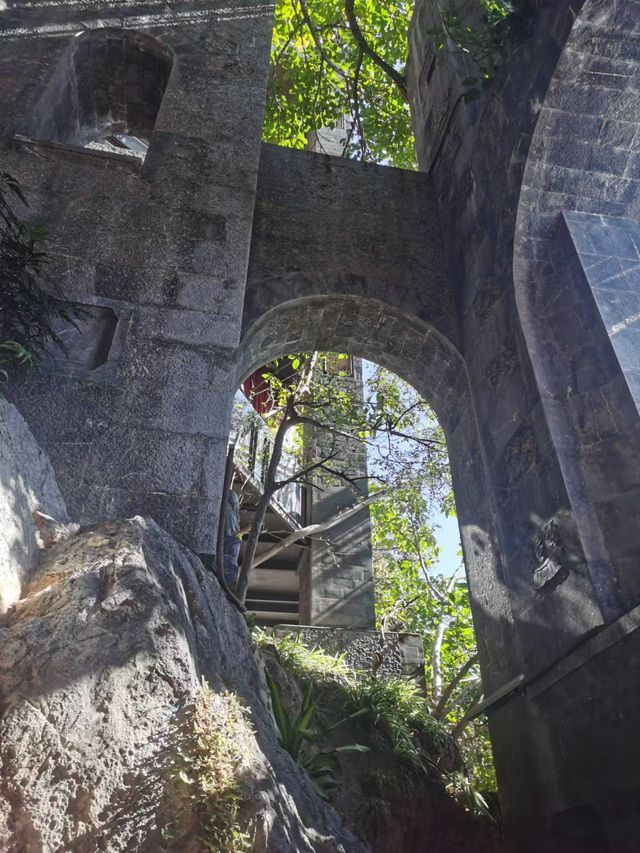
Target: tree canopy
{"x":341,"y":63}
{"x":338,"y":59}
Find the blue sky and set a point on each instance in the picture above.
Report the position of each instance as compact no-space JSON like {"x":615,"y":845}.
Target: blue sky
{"x":447,"y":530}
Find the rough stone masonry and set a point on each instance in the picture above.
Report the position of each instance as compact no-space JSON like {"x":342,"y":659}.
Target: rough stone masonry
{"x":503,"y":281}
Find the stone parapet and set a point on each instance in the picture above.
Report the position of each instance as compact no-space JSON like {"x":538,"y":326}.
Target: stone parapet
{"x":368,"y":651}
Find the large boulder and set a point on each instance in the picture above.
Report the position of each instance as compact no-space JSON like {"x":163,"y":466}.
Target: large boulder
{"x":27,"y":482}
{"x":100,"y":660}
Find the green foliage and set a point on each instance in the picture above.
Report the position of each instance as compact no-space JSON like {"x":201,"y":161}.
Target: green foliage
{"x":340,"y":64}
{"x":205,"y":779}
{"x":482,"y":44}
{"x":407,"y":601}
{"x":406,"y":449}
{"x":307,"y":664}
{"x":390,"y":715}
{"x":12,"y":351}
{"x":298,"y":736}
{"x":462,"y":788}
{"x":398,"y":717}
{"x":409,"y":595}
{"x":29,"y":302}
{"x":320,"y":76}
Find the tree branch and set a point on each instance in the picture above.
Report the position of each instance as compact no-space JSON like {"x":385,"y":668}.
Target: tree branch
{"x":314,"y":529}
{"x":317,"y":40}
{"x":389,"y":70}
{"x":436,"y":657}
{"x":462,"y":724}
{"x":441,"y":708}
{"x":299,"y":475}
{"x":287,"y":422}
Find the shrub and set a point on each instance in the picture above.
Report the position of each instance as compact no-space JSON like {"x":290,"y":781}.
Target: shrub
{"x":205,"y":795}
{"x":30,"y":304}
{"x":299,"y":736}
{"x":391,"y":713}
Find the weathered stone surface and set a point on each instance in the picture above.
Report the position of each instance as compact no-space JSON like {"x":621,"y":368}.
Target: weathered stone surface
{"x":110,"y":639}
{"x":455,"y":279}
{"x":27,"y":481}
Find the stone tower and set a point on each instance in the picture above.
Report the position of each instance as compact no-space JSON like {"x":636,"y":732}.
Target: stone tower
{"x":155,"y":249}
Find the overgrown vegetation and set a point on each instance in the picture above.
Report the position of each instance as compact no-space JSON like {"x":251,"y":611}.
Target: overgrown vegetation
{"x":299,"y":735}
{"x":388,"y":714}
{"x":205,"y":795}
{"x":341,"y":63}
{"x":30,"y":304}
{"x":412,"y":595}
{"x":391,"y":719}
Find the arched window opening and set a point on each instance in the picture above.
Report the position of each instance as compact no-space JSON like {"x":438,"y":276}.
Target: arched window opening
{"x":105,"y":94}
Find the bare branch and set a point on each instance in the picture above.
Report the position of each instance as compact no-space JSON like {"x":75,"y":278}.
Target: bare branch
{"x":299,"y":475}
{"x":315,"y":529}
{"x":436,"y":657}
{"x":389,"y":70}
{"x":441,"y":708}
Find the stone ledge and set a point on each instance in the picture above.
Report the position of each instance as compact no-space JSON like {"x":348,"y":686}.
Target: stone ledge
{"x":402,"y":654}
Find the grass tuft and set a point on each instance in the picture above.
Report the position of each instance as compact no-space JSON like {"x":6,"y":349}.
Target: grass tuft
{"x":393,"y":715}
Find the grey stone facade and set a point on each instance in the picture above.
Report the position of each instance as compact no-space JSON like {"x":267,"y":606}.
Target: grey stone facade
{"x":164,"y":243}
{"x":500,"y":282}
{"x":336,"y":580}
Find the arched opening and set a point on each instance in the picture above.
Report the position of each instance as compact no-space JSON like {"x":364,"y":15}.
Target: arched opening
{"x":105,"y":93}
{"x":370,"y":329}
{"x":417,"y":353}
{"x":334,"y":572}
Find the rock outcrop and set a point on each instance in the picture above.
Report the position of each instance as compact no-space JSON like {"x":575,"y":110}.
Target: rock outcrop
{"x":111,"y":638}
{"x":27,"y":482}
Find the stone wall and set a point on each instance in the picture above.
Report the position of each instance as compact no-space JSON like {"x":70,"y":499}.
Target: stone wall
{"x":164,"y":244}
{"x":471,"y":281}
{"x":372,"y":280}
{"x":515,"y":176}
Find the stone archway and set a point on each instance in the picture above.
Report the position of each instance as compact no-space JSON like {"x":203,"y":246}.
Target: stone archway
{"x":420,"y":355}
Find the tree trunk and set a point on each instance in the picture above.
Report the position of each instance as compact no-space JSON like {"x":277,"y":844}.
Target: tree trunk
{"x":269,"y":490}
